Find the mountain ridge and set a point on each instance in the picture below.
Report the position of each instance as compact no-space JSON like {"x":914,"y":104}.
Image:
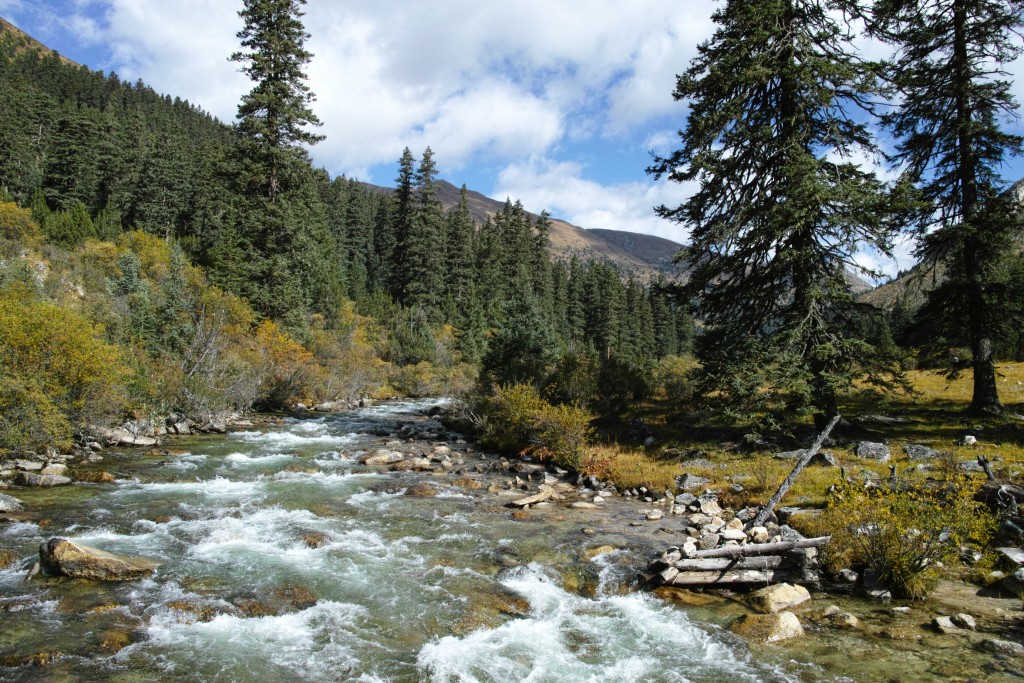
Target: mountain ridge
{"x":645,"y":256}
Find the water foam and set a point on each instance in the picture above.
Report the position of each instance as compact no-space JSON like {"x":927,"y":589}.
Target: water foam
{"x":571,"y":638}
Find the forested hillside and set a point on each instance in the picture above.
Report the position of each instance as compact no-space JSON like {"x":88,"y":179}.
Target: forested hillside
{"x":140,"y":221}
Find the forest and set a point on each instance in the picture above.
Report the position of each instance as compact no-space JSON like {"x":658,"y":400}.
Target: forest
{"x":133,"y":242}
{"x":200,"y":268}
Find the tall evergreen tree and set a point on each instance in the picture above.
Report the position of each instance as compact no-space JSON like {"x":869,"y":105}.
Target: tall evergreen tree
{"x":781,"y":206}
{"x":950,"y":73}
{"x":425,"y":248}
{"x":274,"y":116}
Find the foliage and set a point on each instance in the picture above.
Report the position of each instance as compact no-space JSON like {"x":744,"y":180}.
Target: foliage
{"x":17,"y":225}
{"x":955,"y":95}
{"x":56,"y":360}
{"x":29,"y":421}
{"x":906,"y":536}
{"x":673,"y":376}
{"x":517,"y":418}
{"x":773,"y":139}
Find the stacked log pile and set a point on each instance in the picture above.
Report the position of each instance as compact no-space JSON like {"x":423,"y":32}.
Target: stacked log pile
{"x":716,"y":552}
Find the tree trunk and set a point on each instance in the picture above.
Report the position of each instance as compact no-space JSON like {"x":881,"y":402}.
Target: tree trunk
{"x":985,"y":398}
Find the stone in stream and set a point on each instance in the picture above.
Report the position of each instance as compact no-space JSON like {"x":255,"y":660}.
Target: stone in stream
{"x":57,"y":468}
{"x":61,"y":556}
{"x":778,"y":597}
{"x":768,"y":628}
{"x":380,"y":457}
{"x":945,"y":625}
{"x":421,"y":490}
{"x":1002,"y":647}
{"x":10,"y":504}
{"x":41,"y":480}
{"x":28,"y":465}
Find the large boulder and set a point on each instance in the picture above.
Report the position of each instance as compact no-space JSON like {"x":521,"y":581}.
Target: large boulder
{"x":9,"y":504}
{"x":61,"y":556}
{"x":380,"y":457}
{"x":778,"y":597}
{"x":123,"y":437}
{"x":919,"y":452}
{"x":41,"y":480}
{"x":768,"y":628}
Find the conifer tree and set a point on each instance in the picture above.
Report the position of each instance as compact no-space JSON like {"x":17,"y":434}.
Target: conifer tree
{"x":781,"y":206}
{"x":950,"y":73}
{"x":424,"y":268}
{"x":275,"y":114}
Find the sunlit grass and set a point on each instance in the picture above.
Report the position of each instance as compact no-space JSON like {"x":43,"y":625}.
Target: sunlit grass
{"x":932,"y":416}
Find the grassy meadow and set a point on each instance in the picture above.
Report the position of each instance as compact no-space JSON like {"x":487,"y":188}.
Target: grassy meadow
{"x":931,"y":416}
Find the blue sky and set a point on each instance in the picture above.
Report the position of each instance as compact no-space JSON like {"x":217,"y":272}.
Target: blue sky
{"x":555,"y":102}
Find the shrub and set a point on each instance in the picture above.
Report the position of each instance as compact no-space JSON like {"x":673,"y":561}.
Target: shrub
{"x":29,"y":421}
{"x":58,"y":360}
{"x":17,"y":225}
{"x":672,"y":376}
{"x":516,"y":418}
{"x":905,"y":535}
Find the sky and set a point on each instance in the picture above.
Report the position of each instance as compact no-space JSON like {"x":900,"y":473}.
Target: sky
{"x":557,"y":103}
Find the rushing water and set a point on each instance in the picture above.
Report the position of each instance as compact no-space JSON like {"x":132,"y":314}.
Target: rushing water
{"x":400,"y":588}
{"x":283,"y":559}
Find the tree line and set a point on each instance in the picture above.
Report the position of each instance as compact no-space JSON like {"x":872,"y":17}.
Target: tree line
{"x":780,"y":137}
{"x":197,"y":248}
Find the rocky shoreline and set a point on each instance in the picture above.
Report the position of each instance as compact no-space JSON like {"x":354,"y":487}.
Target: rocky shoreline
{"x":425,"y":458}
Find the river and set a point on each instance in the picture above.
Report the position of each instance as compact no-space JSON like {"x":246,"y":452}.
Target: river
{"x":283,"y":559}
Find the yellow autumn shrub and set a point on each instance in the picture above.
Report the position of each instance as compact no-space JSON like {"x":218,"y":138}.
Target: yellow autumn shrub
{"x":57,"y":360}
{"x":906,"y":535}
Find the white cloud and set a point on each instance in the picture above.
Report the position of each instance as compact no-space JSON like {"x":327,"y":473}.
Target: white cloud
{"x":559,"y":187}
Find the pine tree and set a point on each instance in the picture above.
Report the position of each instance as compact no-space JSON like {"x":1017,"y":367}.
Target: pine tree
{"x":953,"y":88}
{"x":781,"y":207}
{"x":273,"y":117}
{"x":425,"y":246}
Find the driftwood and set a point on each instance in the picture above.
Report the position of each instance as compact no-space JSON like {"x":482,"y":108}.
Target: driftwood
{"x":800,"y":465}
{"x":753,"y":563}
{"x":752,"y":549}
{"x":725,"y":563}
{"x":754,"y":576}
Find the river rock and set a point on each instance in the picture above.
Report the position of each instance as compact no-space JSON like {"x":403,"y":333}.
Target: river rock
{"x":733,"y":534}
{"x":709,"y":541}
{"x":380,"y":457}
{"x":965,"y":621}
{"x":61,"y":556}
{"x":945,"y":625}
{"x":709,"y":506}
{"x":56,"y":468}
{"x":421,"y":490}
{"x":1002,"y":647}
{"x":768,"y":628}
{"x":122,"y":437}
{"x":583,"y":505}
{"x":870,"y":450}
{"x":778,"y":597}
{"x":654,"y":515}
{"x":10,"y":504}
{"x":28,"y":465}
{"x":41,"y":480}
{"x":759,"y":534}
{"x":690,"y":482}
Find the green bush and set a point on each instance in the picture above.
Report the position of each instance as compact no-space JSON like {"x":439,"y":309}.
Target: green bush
{"x":29,"y":421}
{"x":517,"y":419}
{"x":906,"y":535}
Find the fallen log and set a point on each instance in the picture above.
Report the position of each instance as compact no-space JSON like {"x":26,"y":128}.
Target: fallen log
{"x":727,"y":564}
{"x":763,"y":515}
{"x":756,"y":576}
{"x":752,"y":549}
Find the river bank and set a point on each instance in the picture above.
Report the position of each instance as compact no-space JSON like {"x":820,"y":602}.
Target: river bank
{"x":282,"y":555}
